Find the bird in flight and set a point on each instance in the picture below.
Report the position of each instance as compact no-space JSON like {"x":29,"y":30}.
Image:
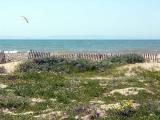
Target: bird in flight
{"x":25,"y":19}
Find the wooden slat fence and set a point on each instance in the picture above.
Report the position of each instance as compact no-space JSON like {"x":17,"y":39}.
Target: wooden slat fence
{"x":2,"y":57}
{"x":150,"y":57}
{"x":37,"y":54}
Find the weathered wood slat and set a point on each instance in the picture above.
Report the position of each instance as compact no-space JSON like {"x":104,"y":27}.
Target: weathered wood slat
{"x":36,"y":54}
{"x":153,"y":57}
{"x":2,"y":57}
{"x":93,"y":56}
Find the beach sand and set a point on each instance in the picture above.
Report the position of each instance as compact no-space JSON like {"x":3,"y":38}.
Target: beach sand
{"x":147,"y":66}
{"x":10,"y":67}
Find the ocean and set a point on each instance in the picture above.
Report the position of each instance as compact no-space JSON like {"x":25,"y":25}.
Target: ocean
{"x":78,"y":45}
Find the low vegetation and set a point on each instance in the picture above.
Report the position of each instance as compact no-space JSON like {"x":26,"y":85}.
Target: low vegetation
{"x":73,"y":66}
{"x":127,"y":59}
{"x":2,"y":70}
{"x":38,"y":90}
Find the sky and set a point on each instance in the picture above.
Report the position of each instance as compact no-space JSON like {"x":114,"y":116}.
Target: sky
{"x":99,"y":19}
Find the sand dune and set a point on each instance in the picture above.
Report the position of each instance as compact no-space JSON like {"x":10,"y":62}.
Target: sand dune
{"x":10,"y":67}
{"x":146,"y":66}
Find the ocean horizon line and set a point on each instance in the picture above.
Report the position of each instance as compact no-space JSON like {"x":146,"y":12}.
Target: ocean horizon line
{"x":77,"y":45}
{"x":79,"y":39}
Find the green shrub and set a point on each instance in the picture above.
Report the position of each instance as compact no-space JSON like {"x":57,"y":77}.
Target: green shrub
{"x":61,"y":65}
{"x":56,"y":65}
{"x":127,"y":59}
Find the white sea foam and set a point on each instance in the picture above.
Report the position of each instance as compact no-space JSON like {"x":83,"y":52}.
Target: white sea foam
{"x":14,"y":51}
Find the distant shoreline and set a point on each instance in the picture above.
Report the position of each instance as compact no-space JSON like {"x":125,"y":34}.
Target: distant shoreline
{"x":152,"y":56}
{"x":79,"y":45}
{"x":89,"y":51}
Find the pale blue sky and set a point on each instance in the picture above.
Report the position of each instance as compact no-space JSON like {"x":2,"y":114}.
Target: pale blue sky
{"x":80,"y":18}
